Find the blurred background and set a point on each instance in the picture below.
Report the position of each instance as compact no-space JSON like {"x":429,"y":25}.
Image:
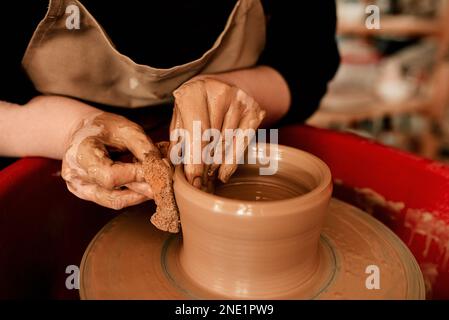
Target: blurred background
{"x":393,"y":83}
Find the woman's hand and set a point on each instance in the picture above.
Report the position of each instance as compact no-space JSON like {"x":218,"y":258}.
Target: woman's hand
{"x":90,"y":173}
{"x":217,"y":105}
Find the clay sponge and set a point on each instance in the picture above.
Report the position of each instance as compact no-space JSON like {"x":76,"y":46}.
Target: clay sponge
{"x":159,"y":175}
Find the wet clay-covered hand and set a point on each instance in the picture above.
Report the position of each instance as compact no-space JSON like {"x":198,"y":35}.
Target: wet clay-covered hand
{"x":90,"y":173}
{"x":216,"y":105}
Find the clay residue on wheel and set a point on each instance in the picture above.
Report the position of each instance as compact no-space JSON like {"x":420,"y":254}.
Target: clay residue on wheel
{"x":158,"y":174}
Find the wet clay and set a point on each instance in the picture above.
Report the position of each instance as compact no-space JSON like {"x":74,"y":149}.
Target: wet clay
{"x":258,"y":249}
{"x":286,"y":245}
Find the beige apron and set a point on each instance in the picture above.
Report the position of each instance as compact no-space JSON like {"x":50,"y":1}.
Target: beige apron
{"x":83,"y":63}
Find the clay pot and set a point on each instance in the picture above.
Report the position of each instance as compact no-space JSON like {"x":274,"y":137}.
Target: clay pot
{"x":261,"y":248}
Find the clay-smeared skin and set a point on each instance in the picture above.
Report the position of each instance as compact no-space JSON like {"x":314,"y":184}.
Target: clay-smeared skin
{"x":220,"y":106}
{"x":89,"y":172}
{"x":158,"y":174}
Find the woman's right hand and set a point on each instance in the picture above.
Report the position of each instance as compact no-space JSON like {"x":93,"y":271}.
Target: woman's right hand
{"x":89,"y":172}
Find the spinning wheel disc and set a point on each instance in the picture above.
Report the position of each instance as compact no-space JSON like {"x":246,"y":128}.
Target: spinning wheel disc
{"x":130,"y":259}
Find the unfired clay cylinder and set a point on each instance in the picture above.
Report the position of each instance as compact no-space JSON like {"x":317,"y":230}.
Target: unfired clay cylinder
{"x":289,"y":244}
{"x":256,"y":249}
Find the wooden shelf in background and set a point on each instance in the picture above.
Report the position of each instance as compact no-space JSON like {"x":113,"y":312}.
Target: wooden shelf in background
{"x":401,"y":25}
{"x":325,"y":118}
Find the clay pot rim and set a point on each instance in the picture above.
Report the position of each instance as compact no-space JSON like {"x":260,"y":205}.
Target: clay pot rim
{"x":205,"y":199}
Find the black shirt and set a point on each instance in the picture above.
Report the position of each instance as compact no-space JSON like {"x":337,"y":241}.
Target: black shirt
{"x":300,"y":40}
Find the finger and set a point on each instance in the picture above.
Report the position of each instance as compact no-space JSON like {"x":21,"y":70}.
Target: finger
{"x":93,"y":158}
{"x":113,"y":199}
{"x":191,"y":100}
{"x":218,"y":100}
{"x":219,"y":97}
{"x":163,"y":147}
{"x":142,"y":188}
{"x":121,"y":133}
{"x":251,"y":119}
{"x":230,"y":122}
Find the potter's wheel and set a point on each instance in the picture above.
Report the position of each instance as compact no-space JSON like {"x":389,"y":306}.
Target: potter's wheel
{"x":130,"y":259}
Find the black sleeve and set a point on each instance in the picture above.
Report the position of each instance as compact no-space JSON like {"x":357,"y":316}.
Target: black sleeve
{"x":301,"y":45}
{"x":17,"y":24}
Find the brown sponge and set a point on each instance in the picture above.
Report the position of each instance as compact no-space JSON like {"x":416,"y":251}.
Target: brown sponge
{"x":158,"y":174}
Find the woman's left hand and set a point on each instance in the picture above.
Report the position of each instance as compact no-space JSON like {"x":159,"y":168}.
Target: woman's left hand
{"x":217,"y":105}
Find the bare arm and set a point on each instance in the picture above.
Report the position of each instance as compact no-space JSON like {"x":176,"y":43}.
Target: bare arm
{"x":42,"y":127}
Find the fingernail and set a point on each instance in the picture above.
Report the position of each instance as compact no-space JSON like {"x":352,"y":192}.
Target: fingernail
{"x":197,"y":182}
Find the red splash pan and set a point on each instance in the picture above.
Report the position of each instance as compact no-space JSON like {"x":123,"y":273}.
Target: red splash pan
{"x":44,"y":228}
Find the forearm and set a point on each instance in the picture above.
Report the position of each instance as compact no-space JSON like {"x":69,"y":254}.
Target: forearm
{"x":41,"y":127}
{"x":265,"y":85}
